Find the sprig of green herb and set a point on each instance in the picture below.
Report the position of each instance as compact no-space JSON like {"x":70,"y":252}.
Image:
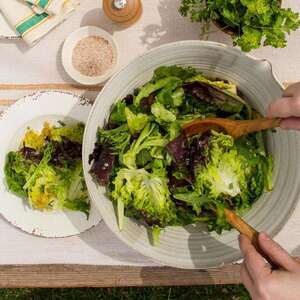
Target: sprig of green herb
{"x":254,"y":22}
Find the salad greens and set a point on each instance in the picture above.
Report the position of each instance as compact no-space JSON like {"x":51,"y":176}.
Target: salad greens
{"x":158,"y":176}
{"x":253,"y":22}
{"x":47,"y":169}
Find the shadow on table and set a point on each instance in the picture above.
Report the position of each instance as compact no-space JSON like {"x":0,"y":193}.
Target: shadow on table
{"x":296,"y":252}
{"x":182,"y":28}
{"x":18,"y":43}
{"x":158,"y":34}
{"x":200,"y":252}
{"x":101,"y":239}
{"x":59,"y":66}
{"x":97,"y":17}
{"x":202,"y":245}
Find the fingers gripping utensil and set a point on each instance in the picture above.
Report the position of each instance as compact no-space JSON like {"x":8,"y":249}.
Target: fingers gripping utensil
{"x":244,"y":228}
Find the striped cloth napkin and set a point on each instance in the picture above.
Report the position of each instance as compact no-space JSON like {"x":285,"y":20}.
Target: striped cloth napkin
{"x":33,"y":19}
{"x":52,"y":7}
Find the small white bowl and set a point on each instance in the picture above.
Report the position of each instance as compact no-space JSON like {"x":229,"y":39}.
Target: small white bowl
{"x":67,"y":53}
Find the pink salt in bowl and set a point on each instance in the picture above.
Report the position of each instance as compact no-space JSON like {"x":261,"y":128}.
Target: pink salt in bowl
{"x":90,"y":55}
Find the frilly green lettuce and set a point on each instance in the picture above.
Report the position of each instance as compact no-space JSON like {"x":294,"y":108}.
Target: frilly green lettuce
{"x":145,"y":192}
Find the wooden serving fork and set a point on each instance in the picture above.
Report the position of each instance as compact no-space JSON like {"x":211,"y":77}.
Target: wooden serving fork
{"x":244,"y":228}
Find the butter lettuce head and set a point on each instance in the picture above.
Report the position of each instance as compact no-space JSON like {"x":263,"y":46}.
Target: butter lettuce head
{"x":224,"y":173}
{"x":145,"y":192}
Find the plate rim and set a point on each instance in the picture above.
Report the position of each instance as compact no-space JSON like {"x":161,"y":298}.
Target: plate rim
{"x":80,"y":100}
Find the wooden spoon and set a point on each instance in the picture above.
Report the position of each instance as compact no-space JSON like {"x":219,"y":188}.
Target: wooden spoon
{"x":235,"y":128}
{"x":244,"y":228}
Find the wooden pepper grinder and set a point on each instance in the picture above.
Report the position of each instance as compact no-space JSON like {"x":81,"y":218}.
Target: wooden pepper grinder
{"x":125,"y":12}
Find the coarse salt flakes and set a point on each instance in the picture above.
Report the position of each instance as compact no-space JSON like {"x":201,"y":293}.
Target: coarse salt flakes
{"x":93,"y":56}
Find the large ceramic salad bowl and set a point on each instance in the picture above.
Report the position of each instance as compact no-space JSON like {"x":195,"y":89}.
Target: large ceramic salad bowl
{"x":193,"y":246}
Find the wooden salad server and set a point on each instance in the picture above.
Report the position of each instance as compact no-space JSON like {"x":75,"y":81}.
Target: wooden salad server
{"x":235,"y":128}
{"x":244,"y":228}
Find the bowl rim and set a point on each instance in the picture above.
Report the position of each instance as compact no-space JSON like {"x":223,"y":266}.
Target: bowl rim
{"x":218,"y":44}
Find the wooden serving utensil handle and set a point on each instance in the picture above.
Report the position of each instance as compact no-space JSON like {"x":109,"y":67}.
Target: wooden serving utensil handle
{"x":235,"y":128}
{"x":244,"y":228}
{"x":244,"y":127}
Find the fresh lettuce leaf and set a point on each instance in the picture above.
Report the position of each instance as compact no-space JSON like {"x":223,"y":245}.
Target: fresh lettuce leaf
{"x":136,"y":122}
{"x":224,"y":173}
{"x":118,"y":115}
{"x":162,"y":115}
{"x":151,"y":87}
{"x":16,"y":171}
{"x":73,"y":132}
{"x":145,"y":192}
{"x":193,"y":199}
{"x":118,"y":139}
{"x":181,"y":72}
{"x":148,"y":139}
{"x":36,"y":140}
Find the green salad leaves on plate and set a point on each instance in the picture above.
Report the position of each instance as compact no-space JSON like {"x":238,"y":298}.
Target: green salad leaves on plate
{"x":47,"y":169}
{"x":158,"y":176}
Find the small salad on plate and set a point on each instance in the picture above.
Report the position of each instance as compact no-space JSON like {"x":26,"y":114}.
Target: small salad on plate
{"x":47,"y":169}
{"x":158,"y":176}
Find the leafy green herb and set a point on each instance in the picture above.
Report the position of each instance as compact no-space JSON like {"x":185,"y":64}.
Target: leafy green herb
{"x":254,"y":22}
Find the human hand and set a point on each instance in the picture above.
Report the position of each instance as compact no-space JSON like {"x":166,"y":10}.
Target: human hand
{"x":261,"y":281}
{"x":287,"y":108}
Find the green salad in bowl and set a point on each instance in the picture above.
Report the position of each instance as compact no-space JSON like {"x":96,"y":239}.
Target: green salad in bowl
{"x":157,"y":175}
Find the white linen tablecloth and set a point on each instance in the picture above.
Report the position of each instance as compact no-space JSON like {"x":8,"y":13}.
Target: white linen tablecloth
{"x":159,"y":24}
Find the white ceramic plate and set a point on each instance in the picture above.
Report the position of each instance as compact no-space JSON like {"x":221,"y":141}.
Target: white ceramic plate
{"x":6,"y":32}
{"x":193,"y":246}
{"x":70,"y":44}
{"x":33,"y":111}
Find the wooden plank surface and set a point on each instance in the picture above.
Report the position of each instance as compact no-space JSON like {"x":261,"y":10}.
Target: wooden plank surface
{"x":105,"y":276}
